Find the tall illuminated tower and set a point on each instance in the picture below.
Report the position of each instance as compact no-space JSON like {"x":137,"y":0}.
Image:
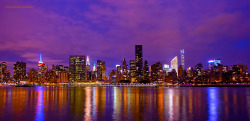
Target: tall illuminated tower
{"x":89,"y":74}
{"x":42,"y":69}
{"x":124,"y":69}
{"x":40,"y":60}
{"x":40,"y":63}
{"x":174,"y":64}
{"x":87,"y":64}
{"x":138,"y":59}
{"x":182,"y":58}
{"x":94,"y":67}
{"x":77,"y":68}
{"x":124,"y":66}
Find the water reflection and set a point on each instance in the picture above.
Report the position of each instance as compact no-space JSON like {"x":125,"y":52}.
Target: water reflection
{"x":116,"y":104}
{"x":88,"y":106}
{"x":248,"y":103}
{"x":40,"y":105}
{"x":94,"y":101}
{"x":212,"y":103}
{"x":124,"y":103}
{"x":171,"y":109}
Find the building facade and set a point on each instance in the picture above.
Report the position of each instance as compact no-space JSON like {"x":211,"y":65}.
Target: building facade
{"x":63,"y":77}
{"x":101,"y":70}
{"x":132,"y":72}
{"x":33,"y":77}
{"x":174,"y":64}
{"x":19,"y":71}
{"x":139,"y":62}
{"x":182,"y":59}
{"x":3,"y":72}
{"x":146,"y":71}
{"x":77,"y":68}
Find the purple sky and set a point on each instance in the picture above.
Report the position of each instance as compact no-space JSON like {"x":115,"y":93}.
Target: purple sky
{"x":109,"y":29}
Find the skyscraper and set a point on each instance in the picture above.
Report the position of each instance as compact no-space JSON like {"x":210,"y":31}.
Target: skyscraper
{"x":77,"y":68}
{"x":124,"y":67}
{"x":19,"y":71}
{"x":40,"y":63}
{"x":119,"y":72}
{"x":180,"y":72}
{"x":3,"y":72}
{"x":212,"y":63}
{"x":174,"y":64}
{"x":182,"y":59}
{"x":94,"y":72}
{"x":101,"y":70}
{"x":146,"y":71}
{"x":42,"y":69}
{"x":33,"y":77}
{"x":132,"y":70}
{"x":124,"y":70}
{"x":63,"y":77}
{"x":156,"y":72}
{"x":88,"y":64}
{"x":139,"y":63}
{"x":89,"y":74}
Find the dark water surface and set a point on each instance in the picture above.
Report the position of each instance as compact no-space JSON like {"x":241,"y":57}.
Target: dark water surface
{"x":124,"y":103}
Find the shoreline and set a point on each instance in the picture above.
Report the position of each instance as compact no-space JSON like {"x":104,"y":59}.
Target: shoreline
{"x":100,"y":85}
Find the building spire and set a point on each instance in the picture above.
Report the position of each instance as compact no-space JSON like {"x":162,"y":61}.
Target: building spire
{"x":94,"y":67}
{"x":88,"y":63}
{"x":40,"y":63}
{"x":41,"y":57}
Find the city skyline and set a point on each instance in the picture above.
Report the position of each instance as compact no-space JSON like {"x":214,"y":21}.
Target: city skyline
{"x":174,"y":63}
{"x":206,"y":64}
{"x":78,"y":71}
{"x":108,"y":30}
{"x":124,"y":60}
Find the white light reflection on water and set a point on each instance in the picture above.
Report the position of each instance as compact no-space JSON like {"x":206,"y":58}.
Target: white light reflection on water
{"x":171,"y":109}
{"x":94,"y":101}
{"x":116,"y":104}
{"x":212,"y":103}
{"x":88,"y":106}
{"x":40,"y":105}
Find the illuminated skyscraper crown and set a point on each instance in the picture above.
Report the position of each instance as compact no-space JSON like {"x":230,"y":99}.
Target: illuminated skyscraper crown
{"x":94,"y":68}
{"x":88,"y":63}
{"x":40,"y":61}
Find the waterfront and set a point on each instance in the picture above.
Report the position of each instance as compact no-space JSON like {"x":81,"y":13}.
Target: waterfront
{"x":124,"y":103}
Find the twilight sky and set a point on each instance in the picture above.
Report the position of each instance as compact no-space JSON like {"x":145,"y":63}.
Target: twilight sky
{"x":109,"y":29}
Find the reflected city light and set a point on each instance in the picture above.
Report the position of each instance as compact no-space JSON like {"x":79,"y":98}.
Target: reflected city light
{"x":88,"y":105}
{"x":171,"y":109}
{"x":40,"y":105}
{"x":124,"y":103}
{"x":116,"y":104}
{"x":94,"y":101}
{"x":212,"y":103}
